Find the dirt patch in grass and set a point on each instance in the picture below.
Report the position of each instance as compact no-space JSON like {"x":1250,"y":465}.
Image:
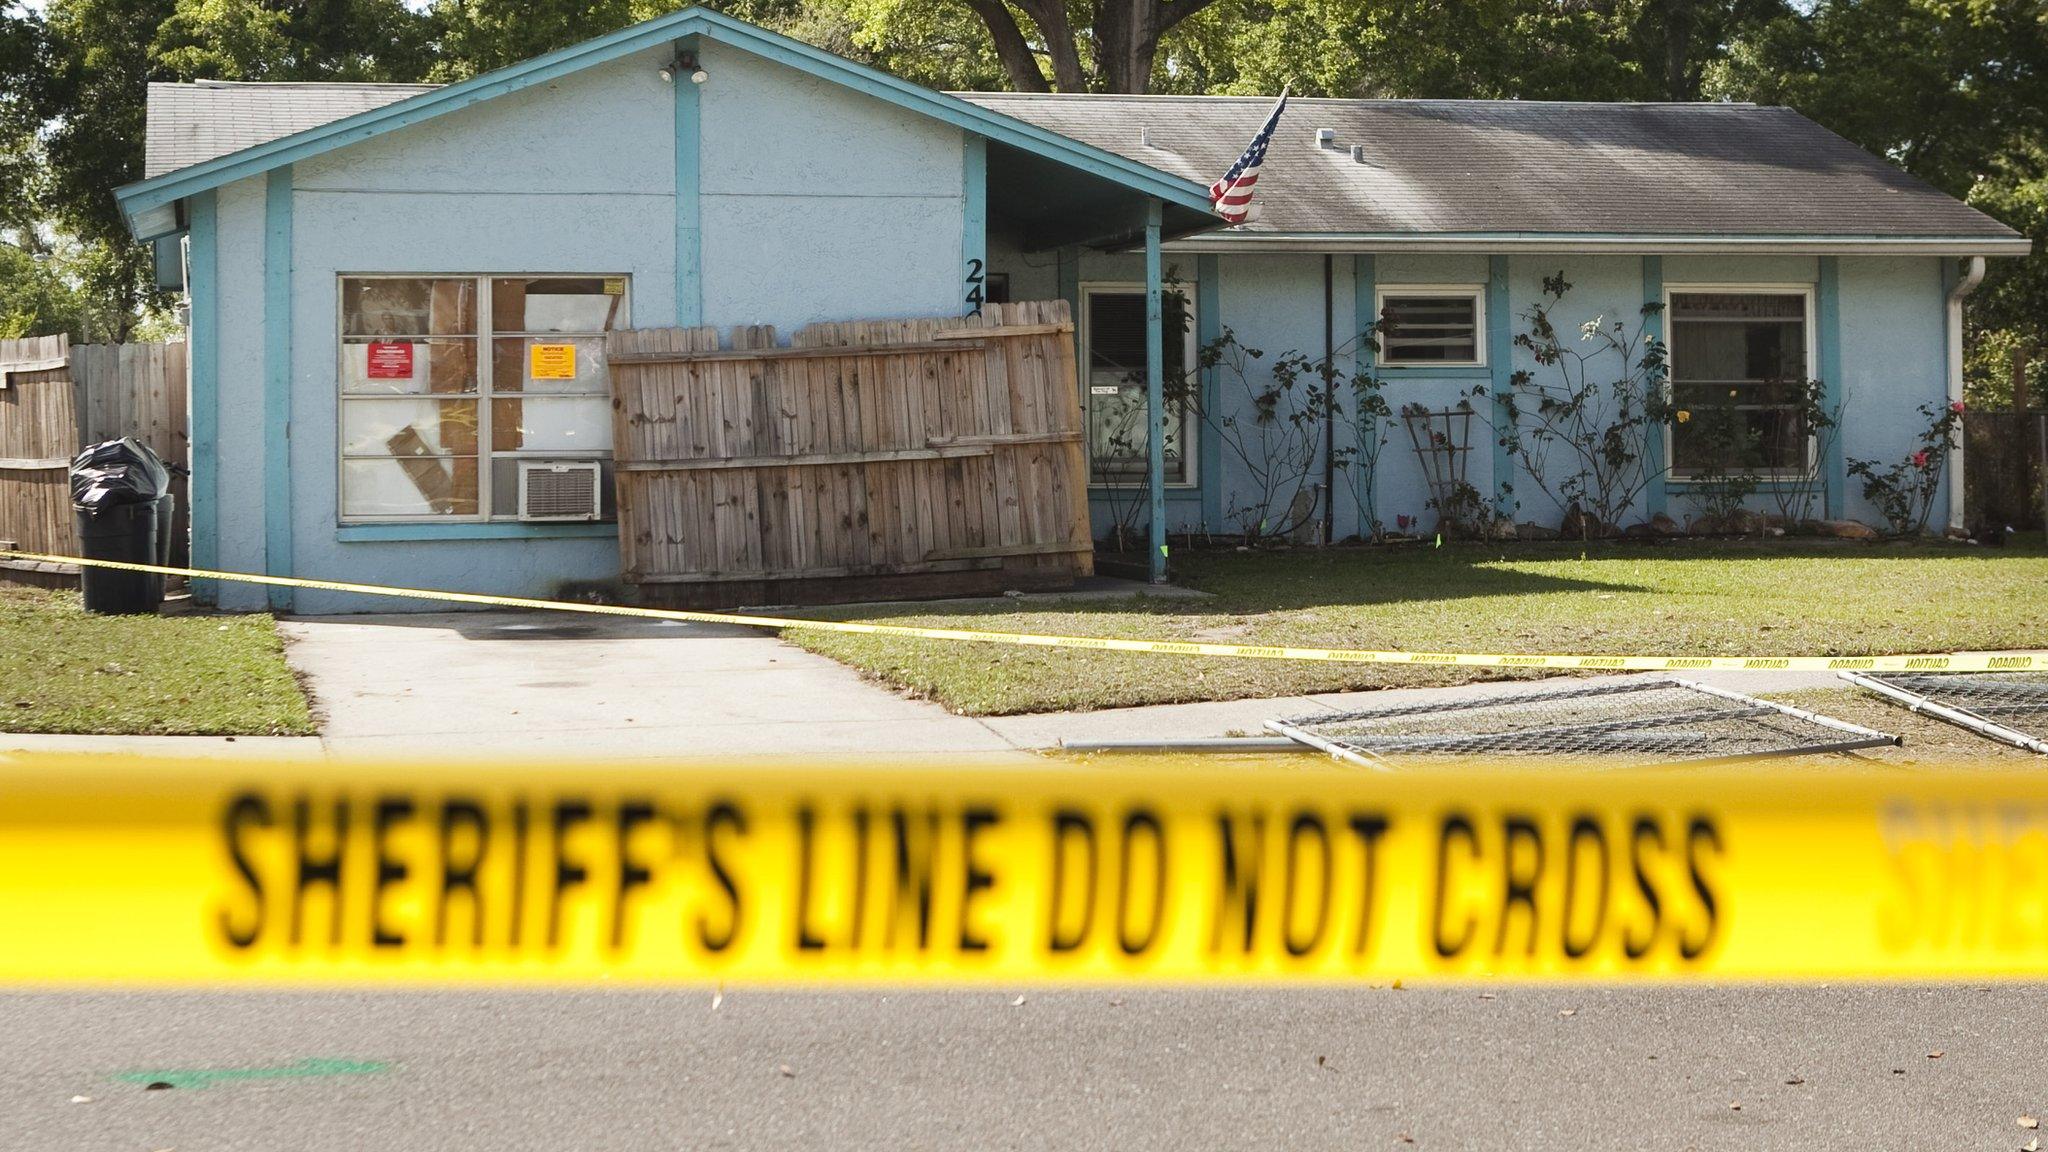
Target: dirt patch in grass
{"x":63,"y":670}
{"x":1929,"y":741}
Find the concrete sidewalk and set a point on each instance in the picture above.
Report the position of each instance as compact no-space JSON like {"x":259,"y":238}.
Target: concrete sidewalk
{"x":509,"y":683}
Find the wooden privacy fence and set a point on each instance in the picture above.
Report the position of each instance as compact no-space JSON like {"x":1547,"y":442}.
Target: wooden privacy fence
{"x":890,"y":457}
{"x":64,"y":397}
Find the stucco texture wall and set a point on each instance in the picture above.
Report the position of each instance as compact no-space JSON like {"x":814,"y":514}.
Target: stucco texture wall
{"x":1889,"y":341}
{"x":819,"y":203}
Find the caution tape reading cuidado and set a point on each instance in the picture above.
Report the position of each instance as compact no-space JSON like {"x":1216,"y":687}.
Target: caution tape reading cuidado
{"x":153,"y":873}
{"x":1923,"y":662}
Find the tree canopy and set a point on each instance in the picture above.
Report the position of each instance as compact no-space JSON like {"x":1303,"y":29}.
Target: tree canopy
{"x":1955,"y":91}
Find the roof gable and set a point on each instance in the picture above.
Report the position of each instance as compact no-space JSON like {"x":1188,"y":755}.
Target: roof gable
{"x":160,"y":189}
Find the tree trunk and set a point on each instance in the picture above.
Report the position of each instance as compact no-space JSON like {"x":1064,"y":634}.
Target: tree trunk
{"x":1058,"y":34}
{"x":1011,"y":47}
{"x":1126,"y":40}
{"x":1678,"y":20}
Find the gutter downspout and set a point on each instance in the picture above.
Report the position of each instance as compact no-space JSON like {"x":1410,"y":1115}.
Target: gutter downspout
{"x":1973,"y":274}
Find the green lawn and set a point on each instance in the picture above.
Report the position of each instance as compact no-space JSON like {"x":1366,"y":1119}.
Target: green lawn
{"x":62,"y":670}
{"x":1770,"y":598}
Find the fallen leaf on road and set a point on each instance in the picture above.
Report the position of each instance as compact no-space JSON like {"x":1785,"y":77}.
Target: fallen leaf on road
{"x":1567,"y":1011}
{"x":1935,"y":1055}
{"x":81,"y":1099}
{"x":1796,"y":1080}
{"x":2029,"y":1122}
{"x":717,"y":998}
{"x":1017,"y":1003}
{"x":1404,"y":1138}
{"x":786,"y":1070}
{"x":1735,"y":1105}
{"x":1487,"y":996}
{"x":2033,"y":1145}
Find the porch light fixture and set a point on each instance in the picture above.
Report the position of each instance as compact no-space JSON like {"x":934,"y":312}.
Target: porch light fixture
{"x":684,"y":62}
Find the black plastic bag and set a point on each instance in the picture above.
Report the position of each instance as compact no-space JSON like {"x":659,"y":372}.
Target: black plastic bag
{"x":117,"y":472}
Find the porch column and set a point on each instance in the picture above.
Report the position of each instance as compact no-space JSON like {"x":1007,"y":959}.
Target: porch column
{"x":1155,"y":394}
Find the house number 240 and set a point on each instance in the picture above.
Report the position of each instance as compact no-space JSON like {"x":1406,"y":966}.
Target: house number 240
{"x":976,"y":277}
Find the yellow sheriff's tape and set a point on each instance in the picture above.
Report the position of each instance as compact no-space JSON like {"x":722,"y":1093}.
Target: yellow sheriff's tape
{"x":127,"y":871}
{"x":1916,"y":662}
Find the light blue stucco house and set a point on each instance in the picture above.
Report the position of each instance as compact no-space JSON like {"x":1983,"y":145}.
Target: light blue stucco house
{"x":364,"y":257}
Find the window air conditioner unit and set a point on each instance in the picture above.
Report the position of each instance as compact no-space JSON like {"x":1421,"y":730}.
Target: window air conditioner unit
{"x":560,"y":489}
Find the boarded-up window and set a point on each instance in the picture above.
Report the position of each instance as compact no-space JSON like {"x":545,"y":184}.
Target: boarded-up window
{"x":448,"y":382}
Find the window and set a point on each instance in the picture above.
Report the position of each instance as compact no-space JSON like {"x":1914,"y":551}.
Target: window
{"x":1738,"y":364}
{"x":448,"y":382}
{"x":1436,"y":326}
{"x":1113,"y":352}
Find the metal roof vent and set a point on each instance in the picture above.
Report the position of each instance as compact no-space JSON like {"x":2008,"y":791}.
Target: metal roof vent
{"x":1326,"y":137}
{"x":1358,"y":153}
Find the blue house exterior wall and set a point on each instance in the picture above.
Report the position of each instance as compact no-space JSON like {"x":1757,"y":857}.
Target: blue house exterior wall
{"x":579,"y":175}
{"x":769,"y":196}
{"x":1886,"y":348}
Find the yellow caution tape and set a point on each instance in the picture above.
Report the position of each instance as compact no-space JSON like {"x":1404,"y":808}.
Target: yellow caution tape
{"x":1923,"y":662}
{"x":130,"y":872}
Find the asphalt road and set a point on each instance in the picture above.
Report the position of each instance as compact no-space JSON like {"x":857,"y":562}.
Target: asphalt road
{"x":1523,"y":1068}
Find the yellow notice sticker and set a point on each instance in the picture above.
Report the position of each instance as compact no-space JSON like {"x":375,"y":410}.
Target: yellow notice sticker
{"x":615,"y":285}
{"x":310,"y":872}
{"x":553,"y":362}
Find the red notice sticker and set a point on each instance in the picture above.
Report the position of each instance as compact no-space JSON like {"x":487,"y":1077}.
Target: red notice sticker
{"x":390,"y":362}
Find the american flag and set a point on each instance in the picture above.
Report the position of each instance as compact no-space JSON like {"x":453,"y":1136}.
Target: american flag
{"x":1232,"y":195}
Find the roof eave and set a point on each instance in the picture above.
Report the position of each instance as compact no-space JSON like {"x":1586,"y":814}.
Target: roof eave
{"x":138,"y":198}
{"x":1618,"y":243}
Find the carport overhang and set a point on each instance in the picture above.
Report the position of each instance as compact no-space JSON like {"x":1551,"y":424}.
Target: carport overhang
{"x":1041,"y":203}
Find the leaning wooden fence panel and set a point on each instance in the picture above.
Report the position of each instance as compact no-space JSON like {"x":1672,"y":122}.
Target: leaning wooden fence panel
{"x":38,"y":434}
{"x":938,"y":456}
{"x":57,"y":397}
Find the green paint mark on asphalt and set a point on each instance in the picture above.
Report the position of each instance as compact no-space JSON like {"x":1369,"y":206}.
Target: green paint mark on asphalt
{"x":206,"y":1077}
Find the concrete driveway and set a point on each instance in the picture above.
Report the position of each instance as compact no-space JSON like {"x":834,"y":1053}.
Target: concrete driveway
{"x":505,"y":683}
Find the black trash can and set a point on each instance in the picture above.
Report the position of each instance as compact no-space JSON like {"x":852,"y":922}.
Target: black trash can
{"x":121,"y":494}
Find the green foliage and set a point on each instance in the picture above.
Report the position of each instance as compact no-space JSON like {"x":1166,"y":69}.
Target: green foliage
{"x":1956,"y":91}
{"x":1904,"y":490}
{"x":1732,"y":454}
{"x":1579,"y":427}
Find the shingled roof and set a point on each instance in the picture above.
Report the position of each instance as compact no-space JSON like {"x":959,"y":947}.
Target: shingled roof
{"x":1484,"y":170}
{"x":1469,"y":167}
{"x":193,"y":123}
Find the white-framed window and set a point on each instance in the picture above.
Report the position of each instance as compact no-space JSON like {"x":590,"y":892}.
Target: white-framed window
{"x":1431,"y":325}
{"x":1739,"y":356}
{"x":448,"y":382}
{"x":1113,"y":383}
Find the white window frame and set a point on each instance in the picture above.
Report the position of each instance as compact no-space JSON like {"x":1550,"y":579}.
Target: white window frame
{"x":1191,"y":423}
{"x":1382,"y":292}
{"x":1804,"y":290}
{"x":486,"y":365}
